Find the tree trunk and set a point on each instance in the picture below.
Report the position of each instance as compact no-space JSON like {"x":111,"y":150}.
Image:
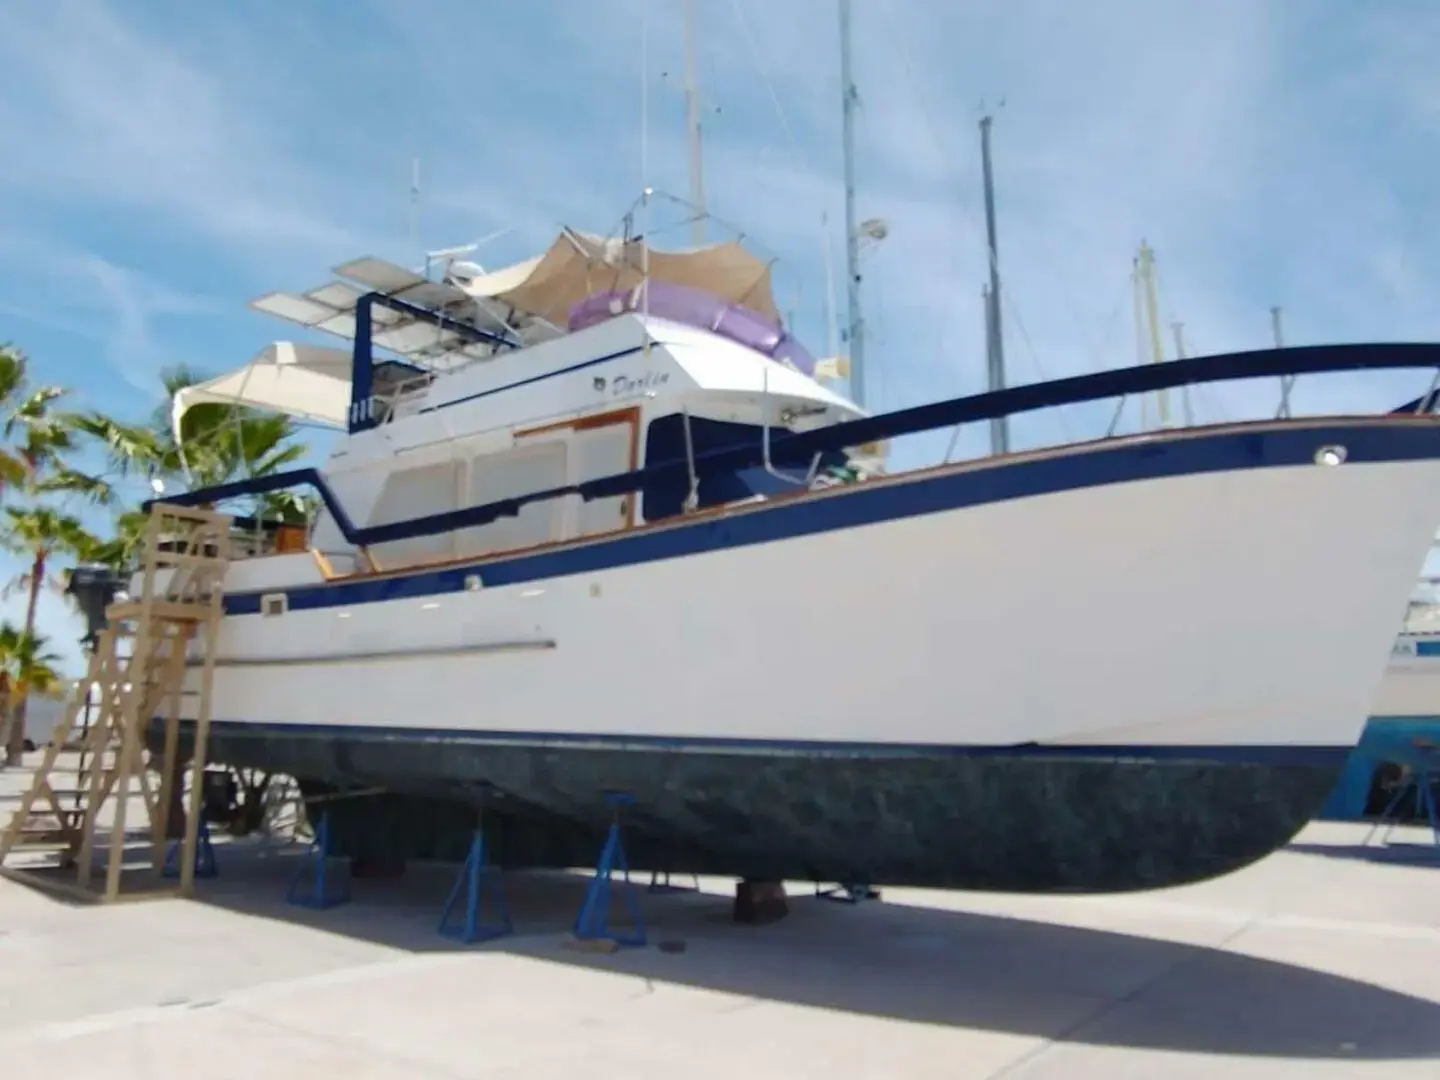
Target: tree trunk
{"x":5,"y":711}
{"x":16,"y":747}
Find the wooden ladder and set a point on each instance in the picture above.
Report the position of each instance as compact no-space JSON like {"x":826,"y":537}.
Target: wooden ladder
{"x":143,"y":667}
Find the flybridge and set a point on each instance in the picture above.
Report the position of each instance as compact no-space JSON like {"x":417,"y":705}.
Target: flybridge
{"x":436,"y":327}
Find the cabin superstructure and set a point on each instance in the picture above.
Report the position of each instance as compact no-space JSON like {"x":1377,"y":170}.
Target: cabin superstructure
{"x":591,"y":360}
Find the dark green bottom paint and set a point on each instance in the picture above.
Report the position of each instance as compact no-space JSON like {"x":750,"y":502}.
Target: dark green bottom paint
{"x":1013,"y":823}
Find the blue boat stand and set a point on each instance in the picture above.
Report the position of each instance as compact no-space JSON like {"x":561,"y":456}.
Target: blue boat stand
{"x":471,"y":883}
{"x":593,"y":922}
{"x":322,"y":892}
{"x":205,"y":866}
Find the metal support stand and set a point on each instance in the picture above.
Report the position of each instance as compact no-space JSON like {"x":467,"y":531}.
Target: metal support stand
{"x":852,"y":893}
{"x":205,"y":866}
{"x":471,"y":882}
{"x":319,"y":896}
{"x":666,"y":886}
{"x":593,"y":922}
{"x":1421,"y":781}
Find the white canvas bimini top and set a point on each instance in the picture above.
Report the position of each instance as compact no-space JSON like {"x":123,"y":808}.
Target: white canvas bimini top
{"x":306,"y":381}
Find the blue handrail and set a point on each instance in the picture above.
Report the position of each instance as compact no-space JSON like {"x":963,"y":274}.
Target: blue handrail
{"x":1121,"y":382}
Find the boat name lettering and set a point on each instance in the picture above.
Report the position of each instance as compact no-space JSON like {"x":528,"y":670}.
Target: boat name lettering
{"x":629,"y":385}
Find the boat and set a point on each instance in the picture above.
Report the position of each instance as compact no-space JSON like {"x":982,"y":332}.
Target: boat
{"x":1402,"y":735}
{"x":598,"y":530}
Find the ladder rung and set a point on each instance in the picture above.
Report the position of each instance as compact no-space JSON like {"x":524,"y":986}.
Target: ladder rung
{"x":41,"y":844}
{"x":176,"y":610}
{"x":59,"y":793}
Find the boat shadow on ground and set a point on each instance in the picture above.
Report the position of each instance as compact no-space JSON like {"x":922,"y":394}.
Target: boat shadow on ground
{"x":1420,"y":855}
{"x":918,"y":964}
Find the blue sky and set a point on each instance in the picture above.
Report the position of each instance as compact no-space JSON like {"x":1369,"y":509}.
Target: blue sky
{"x":164,"y":162}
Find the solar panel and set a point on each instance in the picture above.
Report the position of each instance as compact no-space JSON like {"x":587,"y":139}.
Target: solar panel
{"x":340,"y":295}
{"x":379,"y":275}
{"x":331,"y":307}
{"x":296,"y":309}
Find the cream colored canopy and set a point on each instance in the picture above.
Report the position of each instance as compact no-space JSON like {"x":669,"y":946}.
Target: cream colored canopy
{"x":305,"y":381}
{"x":579,"y":265}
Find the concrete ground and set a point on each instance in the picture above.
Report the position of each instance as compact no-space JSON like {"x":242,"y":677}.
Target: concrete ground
{"x":1322,"y":961}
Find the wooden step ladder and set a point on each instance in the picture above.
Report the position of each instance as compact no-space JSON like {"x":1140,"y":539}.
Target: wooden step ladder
{"x":139,"y":674}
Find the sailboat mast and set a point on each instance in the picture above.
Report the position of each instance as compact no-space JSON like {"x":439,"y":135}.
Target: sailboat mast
{"x":1287,"y":382}
{"x":692,"y":124}
{"x":1147,"y":296}
{"x":994,"y":337}
{"x":855,"y":332}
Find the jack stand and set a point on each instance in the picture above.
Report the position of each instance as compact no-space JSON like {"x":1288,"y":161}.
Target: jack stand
{"x":1422,"y":781}
{"x":204,"y":856}
{"x":593,"y":922}
{"x":658,"y":886}
{"x":471,"y":881}
{"x":318,"y":897}
{"x":852,"y":893}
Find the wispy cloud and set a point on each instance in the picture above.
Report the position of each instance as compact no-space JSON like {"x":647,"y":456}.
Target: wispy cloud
{"x":181,"y":122}
{"x":112,"y":308}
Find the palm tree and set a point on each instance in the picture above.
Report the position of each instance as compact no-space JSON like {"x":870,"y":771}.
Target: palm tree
{"x":12,"y":387}
{"x":39,"y":533}
{"x":119,"y":551}
{"x":41,"y":438}
{"x":25,"y":665}
{"x":217,"y":444}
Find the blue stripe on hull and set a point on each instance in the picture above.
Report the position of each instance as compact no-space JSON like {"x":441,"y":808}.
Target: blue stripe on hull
{"x":1236,"y":755}
{"x":1186,"y":454}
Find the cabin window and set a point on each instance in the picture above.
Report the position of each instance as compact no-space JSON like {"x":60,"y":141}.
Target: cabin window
{"x":665,"y":442}
{"x":538,"y":466}
{"x":415,"y":493}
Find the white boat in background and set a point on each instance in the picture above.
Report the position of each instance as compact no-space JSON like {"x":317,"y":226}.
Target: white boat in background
{"x":598,"y":528}
{"x":1404,"y":725}
{"x":1410,"y":691}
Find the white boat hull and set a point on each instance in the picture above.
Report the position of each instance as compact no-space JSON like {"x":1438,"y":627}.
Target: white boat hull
{"x":1163,"y":610}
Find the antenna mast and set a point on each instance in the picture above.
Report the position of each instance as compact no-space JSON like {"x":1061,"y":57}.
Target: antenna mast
{"x":692,"y":123}
{"x":855,"y":332}
{"x":415,"y":203}
{"x":994,"y":336}
{"x":832,"y":329}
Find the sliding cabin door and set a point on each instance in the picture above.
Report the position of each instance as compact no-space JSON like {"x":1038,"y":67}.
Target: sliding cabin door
{"x":597,"y":446}
{"x":532,"y":464}
{"x":415,"y":493}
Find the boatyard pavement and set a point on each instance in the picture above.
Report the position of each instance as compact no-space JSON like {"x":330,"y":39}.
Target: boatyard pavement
{"x":1323,"y":961}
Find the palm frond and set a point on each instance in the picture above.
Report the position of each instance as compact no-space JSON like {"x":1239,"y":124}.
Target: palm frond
{"x":65,"y":480}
